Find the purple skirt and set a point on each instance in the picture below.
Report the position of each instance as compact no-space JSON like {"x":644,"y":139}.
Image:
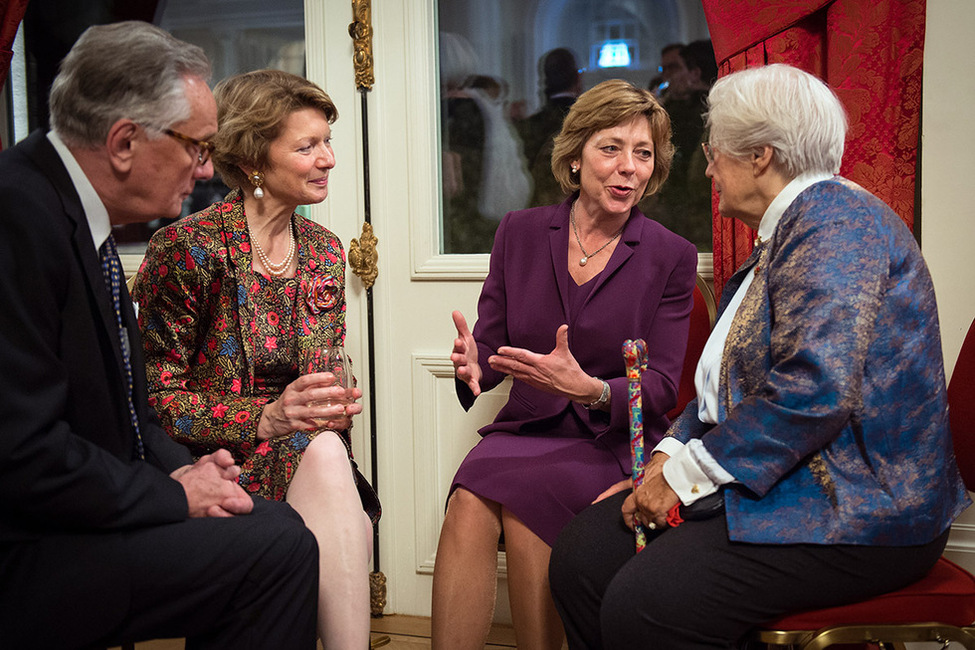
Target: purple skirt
{"x":544,"y":481}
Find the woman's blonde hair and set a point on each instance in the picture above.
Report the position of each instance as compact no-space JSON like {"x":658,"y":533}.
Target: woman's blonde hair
{"x":251,"y":110}
{"x":604,"y":106}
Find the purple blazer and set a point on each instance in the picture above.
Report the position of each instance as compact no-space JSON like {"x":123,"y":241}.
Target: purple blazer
{"x":645,"y":292}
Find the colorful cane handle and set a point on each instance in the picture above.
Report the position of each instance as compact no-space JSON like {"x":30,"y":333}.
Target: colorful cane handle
{"x":635,"y":357}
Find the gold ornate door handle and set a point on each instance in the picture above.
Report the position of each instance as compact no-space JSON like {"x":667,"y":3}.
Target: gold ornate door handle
{"x":363,"y":256}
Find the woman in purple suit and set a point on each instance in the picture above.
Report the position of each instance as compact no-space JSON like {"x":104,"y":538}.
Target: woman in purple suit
{"x":568,"y":284}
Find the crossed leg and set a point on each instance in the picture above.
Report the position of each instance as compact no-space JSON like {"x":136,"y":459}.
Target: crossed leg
{"x":323,"y":492}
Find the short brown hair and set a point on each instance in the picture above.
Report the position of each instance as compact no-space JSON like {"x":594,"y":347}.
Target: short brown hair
{"x":604,"y":106}
{"x":251,"y":110}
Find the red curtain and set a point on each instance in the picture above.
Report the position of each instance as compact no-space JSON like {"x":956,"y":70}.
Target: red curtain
{"x":11,"y":13}
{"x":869,"y":51}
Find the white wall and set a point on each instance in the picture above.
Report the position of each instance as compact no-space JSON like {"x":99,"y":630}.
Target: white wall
{"x":947,"y":207}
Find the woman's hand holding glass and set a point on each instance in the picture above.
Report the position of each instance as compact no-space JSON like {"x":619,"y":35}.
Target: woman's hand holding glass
{"x":333,"y":398}
{"x":322,"y":397}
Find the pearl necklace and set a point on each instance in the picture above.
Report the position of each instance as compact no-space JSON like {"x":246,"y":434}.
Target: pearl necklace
{"x":279,"y":269}
{"x":585,"y":256}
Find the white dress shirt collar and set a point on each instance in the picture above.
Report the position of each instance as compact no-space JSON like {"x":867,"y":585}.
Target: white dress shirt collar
{"x":95,"y":211}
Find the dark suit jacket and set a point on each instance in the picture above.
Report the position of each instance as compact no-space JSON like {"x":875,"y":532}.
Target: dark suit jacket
{"x":832,"y":403}
{"x":645,"y":292}
{"x":66,"y":442}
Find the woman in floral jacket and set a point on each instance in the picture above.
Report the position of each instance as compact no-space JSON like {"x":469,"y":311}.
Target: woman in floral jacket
{"x":230,"y":297}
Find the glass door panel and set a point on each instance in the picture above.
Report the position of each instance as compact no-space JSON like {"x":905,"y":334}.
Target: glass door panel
{"x":509,"y":70}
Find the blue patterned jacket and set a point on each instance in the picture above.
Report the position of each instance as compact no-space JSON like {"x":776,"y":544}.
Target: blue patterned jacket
{"x":832,"y":406}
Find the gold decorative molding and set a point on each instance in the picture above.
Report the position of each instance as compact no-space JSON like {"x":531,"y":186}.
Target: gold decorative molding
{"x":363,"y":256}
{"x":360,"y":29}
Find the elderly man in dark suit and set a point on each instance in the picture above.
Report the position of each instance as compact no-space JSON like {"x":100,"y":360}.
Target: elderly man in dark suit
{"x":108,"y":533}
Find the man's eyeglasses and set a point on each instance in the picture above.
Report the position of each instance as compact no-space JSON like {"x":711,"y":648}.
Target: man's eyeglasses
{"x":203,"y":148}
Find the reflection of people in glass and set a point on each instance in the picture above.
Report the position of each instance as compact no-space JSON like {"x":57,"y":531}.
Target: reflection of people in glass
{"x":231,"y":296}
{"x":684,"y":203}
{"x":657,"y":86}
{"x":580,"y":277}
{"x":484,"y":174}
{"x":820,"y":428}
{"x":673,"y":72}
{"x":562,"y":84}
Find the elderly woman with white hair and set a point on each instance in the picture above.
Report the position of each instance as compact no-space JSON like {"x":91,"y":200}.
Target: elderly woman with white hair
{"x":815,"y":467}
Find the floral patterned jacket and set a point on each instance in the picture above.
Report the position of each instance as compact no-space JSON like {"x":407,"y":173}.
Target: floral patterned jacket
{"x":198,"y":322}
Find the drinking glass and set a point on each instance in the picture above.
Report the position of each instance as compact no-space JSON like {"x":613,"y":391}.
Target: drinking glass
{"x":330,"y":358}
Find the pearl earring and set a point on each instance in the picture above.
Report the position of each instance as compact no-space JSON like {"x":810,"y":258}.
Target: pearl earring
{"x":575,"y":169}
{"x":257,"y":179}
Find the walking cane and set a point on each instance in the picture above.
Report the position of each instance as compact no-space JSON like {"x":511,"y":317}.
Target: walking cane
{"x":635,"y":356}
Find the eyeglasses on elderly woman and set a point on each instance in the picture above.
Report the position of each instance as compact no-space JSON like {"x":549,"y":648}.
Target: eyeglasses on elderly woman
{"x":708,"y":152}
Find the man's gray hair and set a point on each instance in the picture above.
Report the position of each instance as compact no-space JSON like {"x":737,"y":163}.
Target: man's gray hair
{"x":123,"y":70}
{"x":792,"y":111}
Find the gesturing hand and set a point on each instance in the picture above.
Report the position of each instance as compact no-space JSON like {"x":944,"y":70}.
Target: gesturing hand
{"x":211,"y":488}
{"x":464,"y":356}
{"x":557,"y":372}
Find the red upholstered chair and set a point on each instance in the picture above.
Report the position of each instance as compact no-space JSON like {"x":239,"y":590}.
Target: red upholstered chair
{"x":702,"y":320}
{"x":941,"y":606}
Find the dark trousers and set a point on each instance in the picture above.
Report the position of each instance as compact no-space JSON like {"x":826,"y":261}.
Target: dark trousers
{"x":693,"y":588}
{"x":247,"y":582}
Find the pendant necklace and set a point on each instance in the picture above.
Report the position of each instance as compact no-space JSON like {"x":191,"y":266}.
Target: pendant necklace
{"x":585,"y":256}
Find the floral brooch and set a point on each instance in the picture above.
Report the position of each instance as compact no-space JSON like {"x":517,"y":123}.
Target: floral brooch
{"x":320,"y":293}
